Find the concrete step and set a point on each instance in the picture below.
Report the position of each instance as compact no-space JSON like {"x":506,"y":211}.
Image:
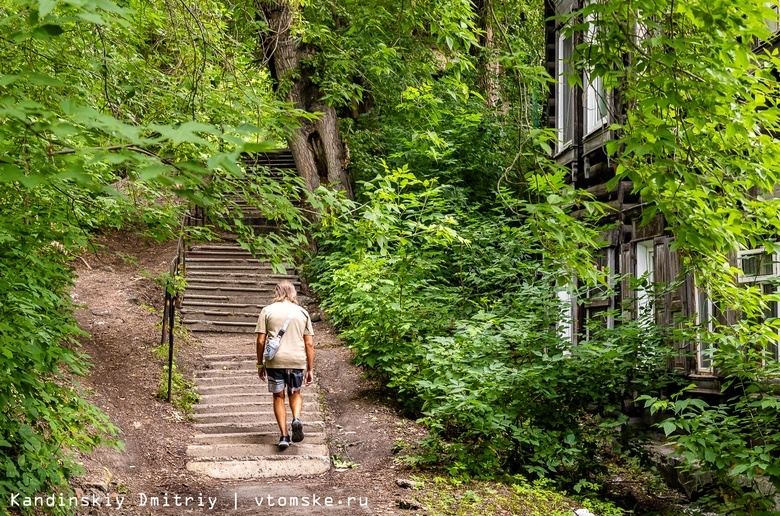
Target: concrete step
{"x":197,"y":305}
{"x":236,"y":296}
{"x":261,"y":284}
{"x":260,"y":467}
{"x":312,"y":418}
{"x":259,"y":278}
{"x":232,"y":260}
{"x":215,"y":315}
{"x":229,"y":266}
{"x":254,"y":407}
{"x":269,"y":425}
{"x":228,"y":379}
{"x":239,"y":365}
{"x":233,"y":356}
{"x":254,"y":438}
{"x":212,"y":287}
{"x":257,"y":450}
{"x":204,"y":325}
{"x":252,"y":391}
{"x":220,"y":373}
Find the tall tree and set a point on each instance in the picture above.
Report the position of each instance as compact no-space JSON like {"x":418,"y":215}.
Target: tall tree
{"x":316,"y":144}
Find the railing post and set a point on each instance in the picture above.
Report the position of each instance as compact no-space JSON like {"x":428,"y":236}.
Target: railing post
{"x":171,"y":319}
{"x":166,"y":303}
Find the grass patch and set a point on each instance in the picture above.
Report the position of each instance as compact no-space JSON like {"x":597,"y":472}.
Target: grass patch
{"x":516,"y":495}
{"x":183,"y":395}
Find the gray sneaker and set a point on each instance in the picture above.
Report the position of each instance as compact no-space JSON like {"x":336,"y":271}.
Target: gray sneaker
{"x":284,"y":442}
{"x":297,"y":430}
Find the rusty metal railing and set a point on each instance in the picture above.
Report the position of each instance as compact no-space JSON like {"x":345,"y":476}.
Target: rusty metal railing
{"x":196,"y":217}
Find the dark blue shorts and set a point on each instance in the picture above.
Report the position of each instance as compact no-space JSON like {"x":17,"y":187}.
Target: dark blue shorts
{"x":278,"y":379}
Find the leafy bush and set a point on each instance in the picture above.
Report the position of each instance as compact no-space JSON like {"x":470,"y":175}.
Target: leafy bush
{"x":44,"y":418}
{"x":737,"y":441}
{"x":457,"y":313}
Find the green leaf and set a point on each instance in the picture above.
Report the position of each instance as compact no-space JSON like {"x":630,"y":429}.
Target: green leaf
{"x":668,"y":427}
{"x":45,"y":7}
{"x":40,"y":79}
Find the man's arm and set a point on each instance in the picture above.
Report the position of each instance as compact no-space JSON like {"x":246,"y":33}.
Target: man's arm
{"x":260,"y":351}
{"x":308,"y":341}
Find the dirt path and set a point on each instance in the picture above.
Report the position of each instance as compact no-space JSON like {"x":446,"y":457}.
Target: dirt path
{"x":122,"y":311}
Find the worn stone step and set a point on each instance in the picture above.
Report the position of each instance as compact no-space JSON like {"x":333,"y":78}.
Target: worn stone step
{"x":257,"y":450}
{"x":242,"y":365}
{"x":216,"y":315}
{"x":211,"y":381}
{"x":255,"y":438}
{"x":230,"y":266}
{"x":244,"y":397}
{"x":212,"y":288}
{"x":236,"y":387}
{"x":220,"y":309}
{"x":232,"y":282}
{"x":220,"y":373}
{"x":229,"y":427}
{"x":238,"y":260}
{"x":260,"y":467}
{"x":218,"y":252}
{"x":206,"y":326}
{"x":206,"y":305}
{"x":311,"y":417}
{"x":262,"y":406}
{"x":213,"y":273}
{"x":233,"y":356}
{"x":229,"y":296}
{"x":261,"y":284}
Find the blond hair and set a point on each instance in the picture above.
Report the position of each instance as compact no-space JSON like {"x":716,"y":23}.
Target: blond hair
{"x":285,"y":291}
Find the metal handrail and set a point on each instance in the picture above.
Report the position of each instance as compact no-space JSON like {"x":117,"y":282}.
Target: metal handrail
{"x":178,"y":266}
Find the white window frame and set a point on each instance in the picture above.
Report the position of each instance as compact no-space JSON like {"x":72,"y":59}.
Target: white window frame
{"x":758,"y":278}
{"x":610,"y":319}
{"x":566,"y":321}
{"x":703,"y":301}
{"x":594,"y":92}
{"x":761,"y":279}
{"x":645,"y":264}
{"x":773,"y":23}
{"x":564,"y":91}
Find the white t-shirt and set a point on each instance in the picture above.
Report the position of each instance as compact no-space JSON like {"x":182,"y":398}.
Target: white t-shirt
{"x":292,"y":351}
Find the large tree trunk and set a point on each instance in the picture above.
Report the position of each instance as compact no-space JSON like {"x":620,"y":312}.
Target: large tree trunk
{"x":316,"y":145}
{"x":490,"y":67}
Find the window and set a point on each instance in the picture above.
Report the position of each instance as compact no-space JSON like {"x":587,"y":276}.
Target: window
{"x":645,"y":269}
{"x":706,"y":316}
{"x":599,"y":304}
{"x":757,"y":265}
{"x":773,"y":21}
{"x":565,"y":326}
{"x":564,"y":92}
{"x":596,"y":110}
{"x":762,"y":268}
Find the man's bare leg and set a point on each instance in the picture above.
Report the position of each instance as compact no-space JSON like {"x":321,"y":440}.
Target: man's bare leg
{"x":296,"y":404}
{"x":280,"y":411}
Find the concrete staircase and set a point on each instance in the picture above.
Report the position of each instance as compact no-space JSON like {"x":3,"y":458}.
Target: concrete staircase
{"x":226,"y":288}
{"x":237,"y":432}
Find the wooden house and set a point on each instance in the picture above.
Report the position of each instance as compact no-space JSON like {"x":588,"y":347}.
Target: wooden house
{"x":582,"y":116}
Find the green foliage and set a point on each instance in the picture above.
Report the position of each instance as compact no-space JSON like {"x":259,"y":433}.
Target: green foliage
{"x":111,"y":115}
{"x":44,"y":417}
{"x":457,"y":314}
{"x":183,"y":393}
{"x":699,"y":141}
{"x":515,"y":495}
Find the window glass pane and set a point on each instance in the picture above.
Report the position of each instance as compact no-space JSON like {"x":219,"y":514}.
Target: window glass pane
{"x":705,"y":314}
{"x":565,"y":106}
{"x":758,"y":264}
